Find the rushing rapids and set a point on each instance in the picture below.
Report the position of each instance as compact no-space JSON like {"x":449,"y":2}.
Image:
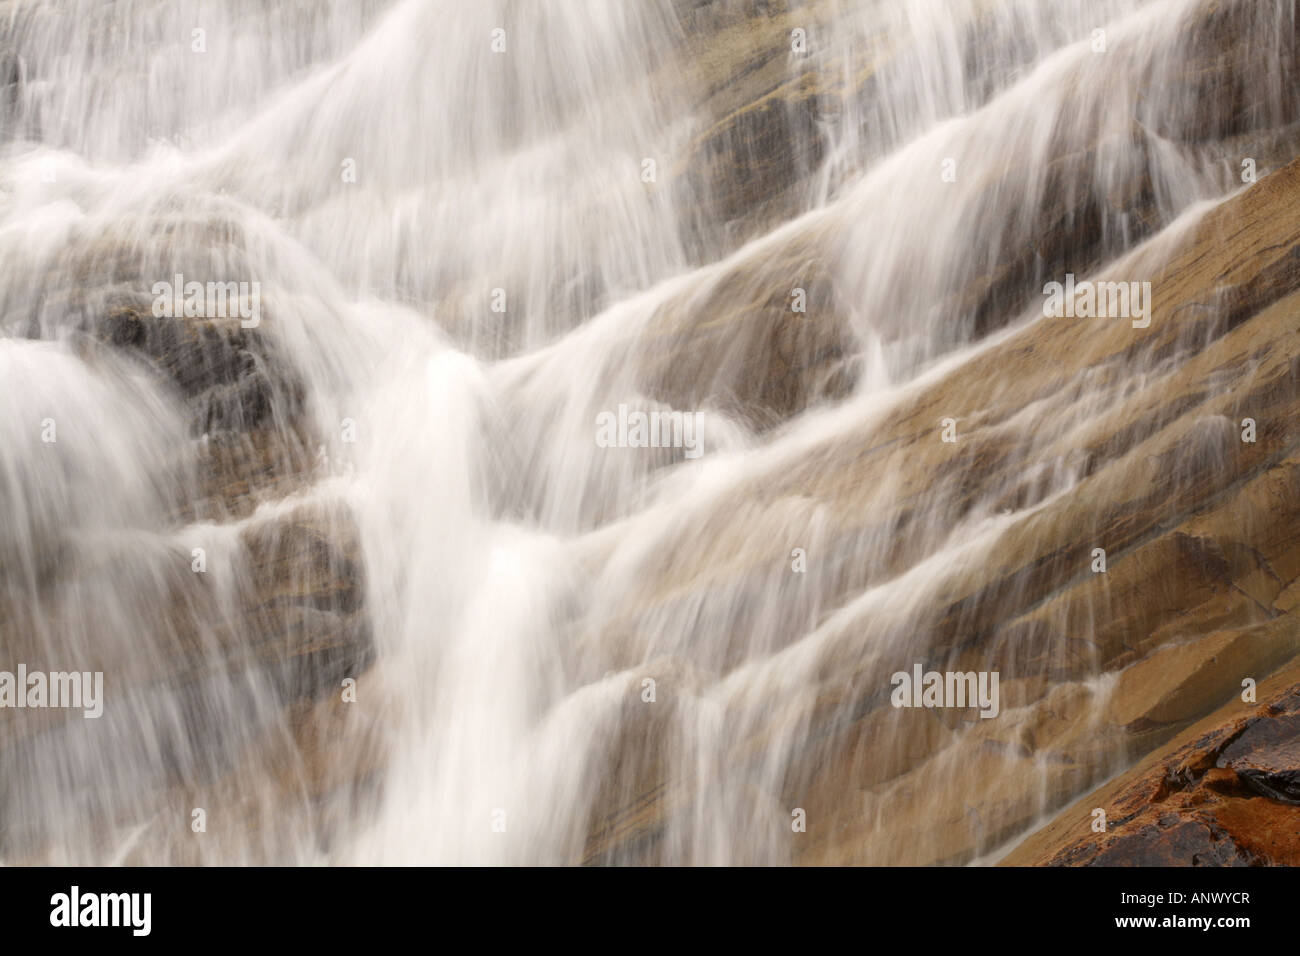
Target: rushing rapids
{"x":362,"y":579}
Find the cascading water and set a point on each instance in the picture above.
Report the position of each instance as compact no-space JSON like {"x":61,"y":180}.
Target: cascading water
{"x":473,"y":229}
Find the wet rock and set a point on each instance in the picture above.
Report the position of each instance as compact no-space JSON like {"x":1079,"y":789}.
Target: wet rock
{"x":1220,"y":794}
{"x":1210,"y":97}
{"x":229,"y":377}
{"x":241,"y":398}
{"x":737,"y":342}
{"x":306,"y":605}
{"x":753,"y":164}
{"x":1198,"y":527}
{"x":1267,"y":756}
{"x":764,"y":120}
{"x":272,"y":627}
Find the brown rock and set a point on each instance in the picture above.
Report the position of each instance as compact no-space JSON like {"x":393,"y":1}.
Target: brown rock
{"x":1220,"y":794}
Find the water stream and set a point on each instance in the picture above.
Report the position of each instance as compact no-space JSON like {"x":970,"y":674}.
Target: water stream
{"x":461,"y":265}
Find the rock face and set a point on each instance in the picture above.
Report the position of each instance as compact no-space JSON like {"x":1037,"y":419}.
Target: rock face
{"x":770,"y":118}
{"x":268,"y":634}
{"x":1083,"y":434}
{"x":1223,"y":793}
{"x":1144,"y":426}
{"x":765,"y":127}
{"x":276,"y":620}
{"x":1199,"y":529}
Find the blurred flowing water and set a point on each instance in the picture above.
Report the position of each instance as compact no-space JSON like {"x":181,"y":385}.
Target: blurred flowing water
{"x":520,"y":581}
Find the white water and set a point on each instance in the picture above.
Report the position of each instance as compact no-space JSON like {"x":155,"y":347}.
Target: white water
{"x":520,"y":582}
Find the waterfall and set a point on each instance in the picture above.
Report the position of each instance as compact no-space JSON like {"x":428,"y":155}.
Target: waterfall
{"x":363,"y":581}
